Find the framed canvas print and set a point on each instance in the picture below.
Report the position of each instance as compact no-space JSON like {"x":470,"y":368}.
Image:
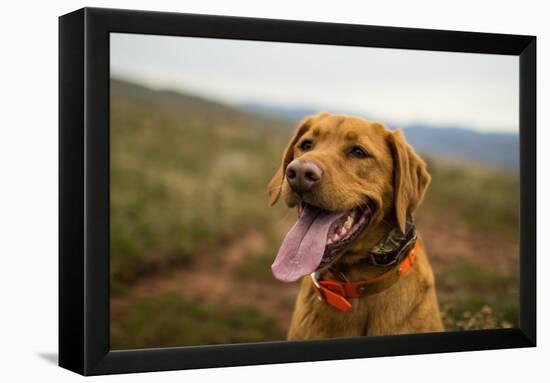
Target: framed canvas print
{"x":242,"y":191}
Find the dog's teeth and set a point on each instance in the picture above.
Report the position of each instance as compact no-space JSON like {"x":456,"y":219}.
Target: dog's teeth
{"x":336,"y":237}
{"x":349,"y":222}
{"x":329,"y":242}
{"x":343,"y":231}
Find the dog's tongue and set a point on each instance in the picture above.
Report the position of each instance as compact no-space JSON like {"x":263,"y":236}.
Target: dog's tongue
{"x":304,"y":245}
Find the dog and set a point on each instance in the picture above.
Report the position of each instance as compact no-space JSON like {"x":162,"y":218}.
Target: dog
{"x":364,"y":270}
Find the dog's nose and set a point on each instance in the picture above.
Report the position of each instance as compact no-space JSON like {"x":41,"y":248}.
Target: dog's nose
{"x":303,"y":175}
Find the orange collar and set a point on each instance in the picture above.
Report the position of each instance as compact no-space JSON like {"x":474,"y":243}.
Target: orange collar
{"x":335,"y":292}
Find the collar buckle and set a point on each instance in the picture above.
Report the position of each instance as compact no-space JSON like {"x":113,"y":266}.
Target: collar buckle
{"x":315,"y":279}
{"x":338,"y":301}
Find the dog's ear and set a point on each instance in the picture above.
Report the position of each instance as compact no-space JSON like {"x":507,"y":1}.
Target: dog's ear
{"x":275,"y":185}
{"x":411,"y":178}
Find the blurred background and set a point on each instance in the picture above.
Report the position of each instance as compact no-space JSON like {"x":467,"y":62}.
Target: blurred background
{"x":197,"y":130}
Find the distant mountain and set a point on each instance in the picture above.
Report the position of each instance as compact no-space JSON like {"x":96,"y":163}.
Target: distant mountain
{"x":454,"y":143}
{"x":281,"y":112}
{"x":289,"y":113}
{"x":499,"y":149}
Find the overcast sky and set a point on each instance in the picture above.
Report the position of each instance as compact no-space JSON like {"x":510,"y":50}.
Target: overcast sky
{"x":393,"y":85}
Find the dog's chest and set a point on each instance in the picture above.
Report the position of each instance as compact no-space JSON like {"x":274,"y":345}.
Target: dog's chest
{"x":314,"y":318}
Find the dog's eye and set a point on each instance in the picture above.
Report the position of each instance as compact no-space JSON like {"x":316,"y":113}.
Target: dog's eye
{"x":306,"y":145}
{"x":357,"y":152}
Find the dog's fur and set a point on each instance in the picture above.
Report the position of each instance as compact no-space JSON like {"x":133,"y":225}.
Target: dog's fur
{"x":394,"y":179}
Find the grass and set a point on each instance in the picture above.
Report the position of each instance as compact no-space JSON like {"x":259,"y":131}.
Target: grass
{"x":182,"y":180}
{"x":482,"y":317}
{"x":171,"y":320}
{"x":482,"y":197}
{"x":257,"y":267}
{"x":475,"y":298}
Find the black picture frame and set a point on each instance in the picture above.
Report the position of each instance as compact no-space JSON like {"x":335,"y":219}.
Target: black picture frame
{"x":84,"y":190}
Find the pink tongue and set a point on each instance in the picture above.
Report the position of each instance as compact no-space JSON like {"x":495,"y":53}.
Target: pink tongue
{"x":304,"y":245}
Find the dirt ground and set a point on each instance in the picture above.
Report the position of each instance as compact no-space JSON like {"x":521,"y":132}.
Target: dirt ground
{"x":211,"y":279}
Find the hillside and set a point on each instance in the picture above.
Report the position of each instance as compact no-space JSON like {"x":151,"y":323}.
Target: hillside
{"x":181,"y":105}
{"x":192,"y":238}
{"x":185,"y":173}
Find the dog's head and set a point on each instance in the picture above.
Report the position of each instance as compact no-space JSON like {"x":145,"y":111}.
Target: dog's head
{"x":345,"y":175}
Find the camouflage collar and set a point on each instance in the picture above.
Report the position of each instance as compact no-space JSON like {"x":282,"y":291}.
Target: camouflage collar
{"x":394,"y":245}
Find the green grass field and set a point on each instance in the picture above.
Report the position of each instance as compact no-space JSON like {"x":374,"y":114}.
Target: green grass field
{"x":188,"y":180}
{"x":183,"y":179}
{"x":483,"y":197}
{"x":179,"y":321}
